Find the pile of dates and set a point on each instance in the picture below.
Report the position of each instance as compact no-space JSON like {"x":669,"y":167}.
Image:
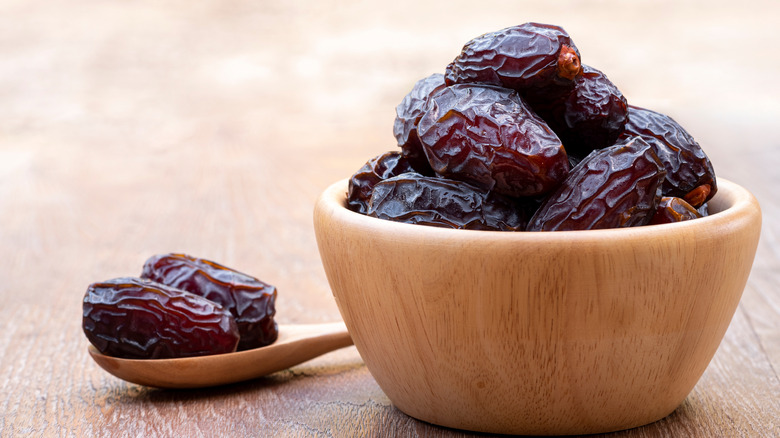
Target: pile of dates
{"x":518,"y":134}
{"x":180,"y":306}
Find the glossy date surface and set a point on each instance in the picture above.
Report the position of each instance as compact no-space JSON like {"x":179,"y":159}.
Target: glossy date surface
{"x":488,"y":137}
{"x":672,"y":210}
{"x":422,"y":200}
{"x":141,"y":319}
{"x":517,"y":114}
{"x":249,"y":300}
{"x":408,"y":114}
{"x":592,"y":116}
{"x":535,"y":59}
{"x":687,"y":166}
{"x":613,"y":187}
{"x":361,"y":183}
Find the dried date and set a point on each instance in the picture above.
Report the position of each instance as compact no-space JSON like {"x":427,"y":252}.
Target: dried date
{"x":704,"y":210}
{"x":610,"y":188}
{"x":408,"y":114}
{"x":699,"y":195}
{"x":417,"y":199}
{"x":488,"y":137}
{"x":249,"y":300}
{"x":688,"y":169}
{"x":538,"y":60}
{"x":592,"y":117}
{"x":141,"y":319}
{"x":377,"y":169}
{"x":672,"y":209}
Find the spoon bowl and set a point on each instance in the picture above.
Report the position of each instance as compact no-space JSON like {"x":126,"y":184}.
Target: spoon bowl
{"x":296,"y":344}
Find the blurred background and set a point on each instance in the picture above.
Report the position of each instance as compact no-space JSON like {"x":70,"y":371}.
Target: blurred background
{"x":129,"y":128}
{"x":123,"y":115}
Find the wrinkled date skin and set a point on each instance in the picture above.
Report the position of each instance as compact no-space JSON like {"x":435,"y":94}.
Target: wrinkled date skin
{"x":592,"y":117}
{"x":417,"y":199}
{"x":517,"y":115}
{"x":488,"y":137}
{"x":672,"y":209}
{"x":377,"y":169}
{"x":688,"y":169}
{"x":408,"y":114}
{"x":537,"y":60}
{"x":612,"y":187}
{"x":141,"y":319}
{"x":251,"y":301}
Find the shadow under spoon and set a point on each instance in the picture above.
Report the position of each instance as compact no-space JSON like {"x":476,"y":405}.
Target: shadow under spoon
{"x":296,"y":344}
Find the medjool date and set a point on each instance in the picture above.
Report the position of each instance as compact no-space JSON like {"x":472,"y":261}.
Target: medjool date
{"x":379,"y":168}
{"x":251,"y":301}
{"x":408,"y":114}
{"x":611,"y":188}
{"x":517,"y":115}
{"x":592,"y":117}
{"x":699,"y":195}
{"x":488,"y":137}
{"x":141,"y":319}
{"x":439,"y":202}
{"x":687,"y":166}
{"x":672,"y":209}
{"x":537,"y":60}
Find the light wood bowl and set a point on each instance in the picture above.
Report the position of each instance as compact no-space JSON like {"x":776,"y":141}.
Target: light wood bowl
{"x":538,"y":332}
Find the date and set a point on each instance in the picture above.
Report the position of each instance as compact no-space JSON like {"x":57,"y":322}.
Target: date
{"x":408,"y":114}
{"x":688,"y":169}
{"x":537,"y":60}
{"x":417,"y":199}
{"x":614,"y":187}
{"x":487,"y":137}
{"x":141,"y":319}
{"x":672,"y":209}
{"x":704,"y":210}
{"x":517,"y":114}
{"x":592,"y":117}
{"x":249,"y":300}
{"x":377,"y":169}
{"x":699,"y":195}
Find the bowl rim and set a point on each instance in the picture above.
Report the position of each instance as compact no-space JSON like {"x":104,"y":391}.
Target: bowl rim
{"x":733,"y":204}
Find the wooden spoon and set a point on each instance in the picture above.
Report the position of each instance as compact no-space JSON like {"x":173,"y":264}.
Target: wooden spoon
{"x":296,"y":343}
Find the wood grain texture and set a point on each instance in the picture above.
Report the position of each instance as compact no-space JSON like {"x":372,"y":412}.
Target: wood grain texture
{"x":134,"y":128}
{"x":538,"y":333}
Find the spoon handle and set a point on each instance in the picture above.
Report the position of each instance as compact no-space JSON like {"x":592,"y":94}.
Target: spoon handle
{"x":325,"y":331}
{"x":297,"y":343}
{"x":301,"y":342}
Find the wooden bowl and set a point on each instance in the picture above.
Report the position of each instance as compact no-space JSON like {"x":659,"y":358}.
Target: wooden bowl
{"x":548,"y":333}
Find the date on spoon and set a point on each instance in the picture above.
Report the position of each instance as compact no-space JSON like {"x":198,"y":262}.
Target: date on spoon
{"x":296,"y":344}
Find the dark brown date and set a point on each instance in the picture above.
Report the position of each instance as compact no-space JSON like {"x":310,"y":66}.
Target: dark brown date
{"x":488,"y":137}
{"x":408,"y":114}
{"x":379,"y":168}
{"x":249,"y":300}
{"x":611,"y":188}
{"x":672,"y":209}
{"x":699,"y":195}
{"x":704,"y":210}
{"x":687,"y":166}
{"x":417,"y":199}
{"x":141,"y":319}
{"x":592,"y":117}
{"x":537,"y":60}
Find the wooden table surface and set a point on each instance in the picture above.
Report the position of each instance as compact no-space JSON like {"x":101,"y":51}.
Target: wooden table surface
{"x":134,"y":128}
